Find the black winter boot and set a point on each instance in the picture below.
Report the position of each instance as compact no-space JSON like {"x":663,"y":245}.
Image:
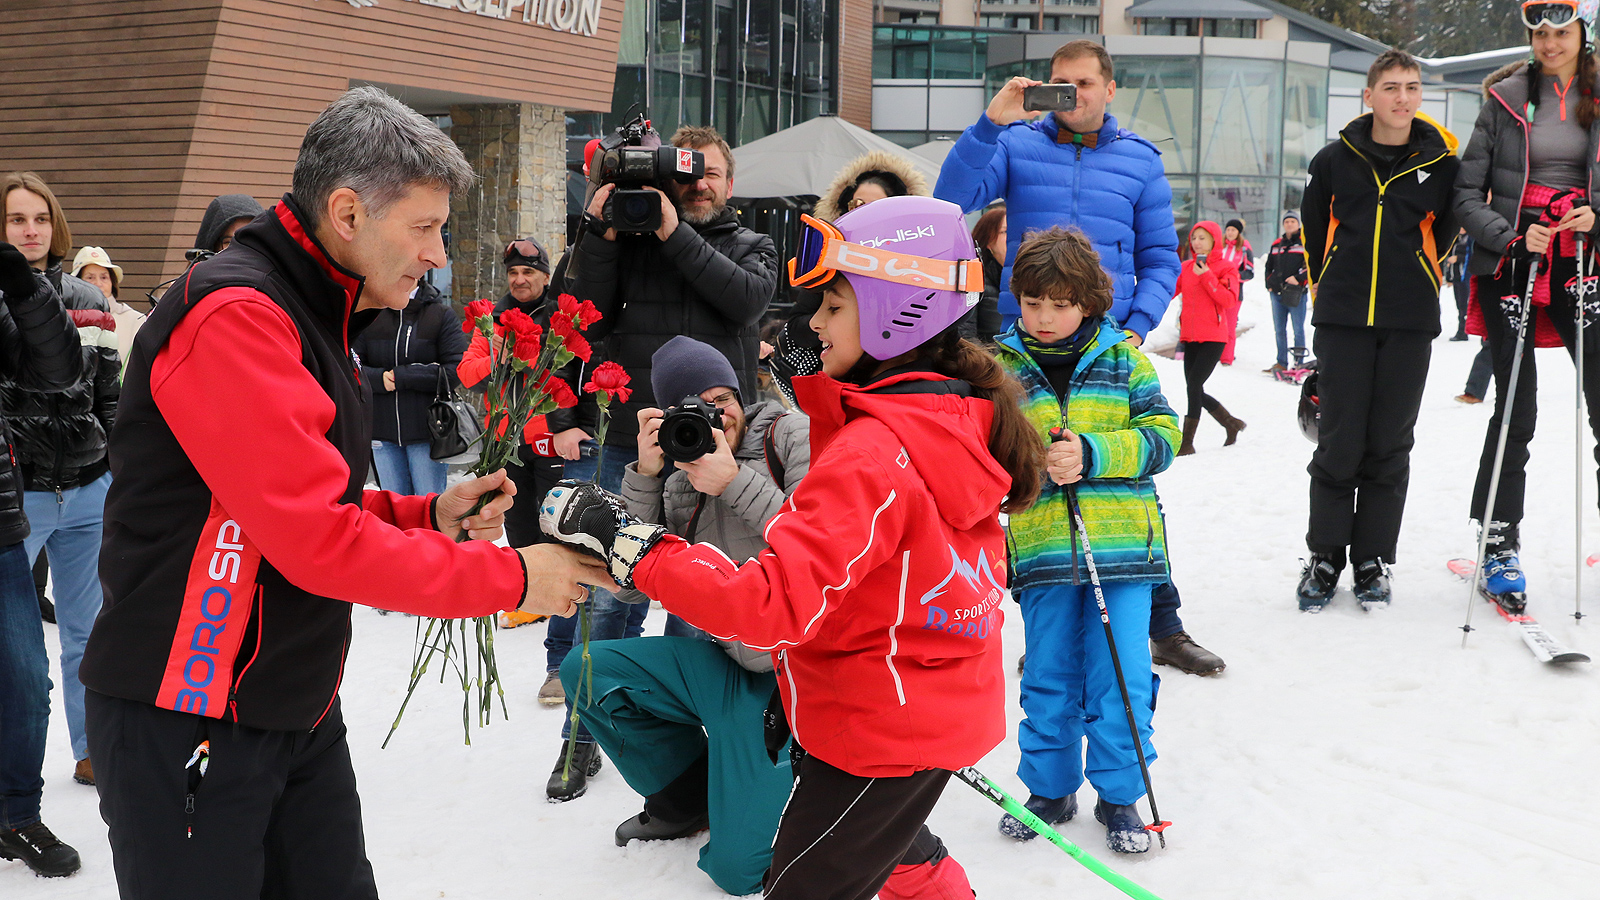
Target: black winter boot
{"x":43,"y":852}
{"x":1052,"y":810}
{"x":645,"y":827}
{"x":585,"y":765}
{"x":1319,"y":581}
{"x":1189,"y":425}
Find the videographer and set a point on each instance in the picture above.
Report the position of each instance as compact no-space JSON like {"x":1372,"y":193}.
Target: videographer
{"x":680,"y":718}
{"x":701,"y":274}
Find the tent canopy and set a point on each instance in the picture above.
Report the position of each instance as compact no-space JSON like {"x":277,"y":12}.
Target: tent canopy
{"x":934,"y":150}
{"x":804,"y":159}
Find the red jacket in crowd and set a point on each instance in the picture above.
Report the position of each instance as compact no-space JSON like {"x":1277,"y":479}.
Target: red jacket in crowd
{"x":1208,"y":296}
{"x":880,"y":592}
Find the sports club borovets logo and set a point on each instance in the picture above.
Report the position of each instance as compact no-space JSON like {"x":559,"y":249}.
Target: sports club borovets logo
{"x":573,"y":16}
{"x":975,"y":616}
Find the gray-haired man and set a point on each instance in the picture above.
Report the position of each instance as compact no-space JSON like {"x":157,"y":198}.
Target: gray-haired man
{"x":238,"y":532}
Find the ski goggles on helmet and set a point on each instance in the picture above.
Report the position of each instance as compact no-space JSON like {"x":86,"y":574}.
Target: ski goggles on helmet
{"x":825,"y":253}
{"x":1554,"y":13}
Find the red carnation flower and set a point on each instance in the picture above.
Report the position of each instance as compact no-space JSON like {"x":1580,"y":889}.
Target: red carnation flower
{"x":571,"y":339}
{"x":559,"y":391}
{"x":474,"y":311}
{"x":527,"y":350}
{"x":582,"y":312}
{"x":521,"y":323}
{"x":612,"y":380}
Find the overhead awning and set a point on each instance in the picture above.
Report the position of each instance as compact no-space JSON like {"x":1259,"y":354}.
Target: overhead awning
{"x":1197,"y":9}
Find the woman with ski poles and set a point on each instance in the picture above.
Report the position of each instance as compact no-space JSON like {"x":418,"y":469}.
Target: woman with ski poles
{"x":1098,"y":402}
{"x":880,"y":592}
{"x":1527,"y":187}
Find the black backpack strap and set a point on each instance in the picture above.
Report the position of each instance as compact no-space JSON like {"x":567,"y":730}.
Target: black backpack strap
{"x":769,"y":451}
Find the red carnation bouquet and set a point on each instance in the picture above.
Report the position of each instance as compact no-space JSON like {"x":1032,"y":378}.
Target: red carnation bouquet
{"x":520,"y":386}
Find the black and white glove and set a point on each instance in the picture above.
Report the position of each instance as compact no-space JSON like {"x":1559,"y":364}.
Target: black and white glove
{"x":16,"y":276}
{"x":582,"y":515}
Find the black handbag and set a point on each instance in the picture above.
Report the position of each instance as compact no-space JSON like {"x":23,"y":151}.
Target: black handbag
{"x":455,"y":433}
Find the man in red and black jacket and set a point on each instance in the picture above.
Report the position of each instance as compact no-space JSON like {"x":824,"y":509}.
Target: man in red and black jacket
{"x":239,"y":534}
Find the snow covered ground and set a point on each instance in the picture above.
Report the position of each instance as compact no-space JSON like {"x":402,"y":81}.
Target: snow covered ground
{"x":1341,"y":755}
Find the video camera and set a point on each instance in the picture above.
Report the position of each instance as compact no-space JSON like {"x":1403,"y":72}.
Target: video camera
{"x":631,"y":158}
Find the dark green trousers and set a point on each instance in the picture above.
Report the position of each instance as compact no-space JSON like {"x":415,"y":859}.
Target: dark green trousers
{"x":658,"y":705}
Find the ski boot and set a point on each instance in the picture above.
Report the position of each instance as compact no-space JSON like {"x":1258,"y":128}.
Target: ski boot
{"x":1372,"y":588}
{"x":1318,"y":582}
{"x":1125,"y":831}
{"x":1503,"y":580}
{"x":585,"y":765}
{"x":1052,"y":812}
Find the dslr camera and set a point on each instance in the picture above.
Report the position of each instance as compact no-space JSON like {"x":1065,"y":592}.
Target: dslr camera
{"x":688,"y":429}
{"x":632,"y":157}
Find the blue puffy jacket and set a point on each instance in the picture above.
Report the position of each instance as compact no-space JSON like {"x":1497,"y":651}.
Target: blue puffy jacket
{"x":1117,"y":193}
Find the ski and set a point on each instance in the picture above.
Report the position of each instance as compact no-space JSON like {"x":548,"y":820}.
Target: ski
{"x":1544,"y":646}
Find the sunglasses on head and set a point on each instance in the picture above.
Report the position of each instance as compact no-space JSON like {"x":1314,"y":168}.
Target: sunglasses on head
{"x":825,"y":253}
{"x":1554,"y":13}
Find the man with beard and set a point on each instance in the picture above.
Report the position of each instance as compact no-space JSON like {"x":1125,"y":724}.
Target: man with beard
{"x":701,"y":275}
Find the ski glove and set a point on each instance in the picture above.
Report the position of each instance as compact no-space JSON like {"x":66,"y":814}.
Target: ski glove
{"x":16,"y":276}
{"x":581,"y":515}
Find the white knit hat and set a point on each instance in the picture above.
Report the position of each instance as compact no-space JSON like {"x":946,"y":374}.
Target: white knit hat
{"x":97,"y":256}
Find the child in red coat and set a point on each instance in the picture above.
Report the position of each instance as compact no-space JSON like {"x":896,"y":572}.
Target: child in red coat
{"x":1209,"y":286}
{"x":880,"y":592}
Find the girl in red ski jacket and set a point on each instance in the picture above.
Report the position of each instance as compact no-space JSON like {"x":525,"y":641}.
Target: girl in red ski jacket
{"x":880,"y":592}
{"x":1237,"y":251}
{"x":1209,"y":286}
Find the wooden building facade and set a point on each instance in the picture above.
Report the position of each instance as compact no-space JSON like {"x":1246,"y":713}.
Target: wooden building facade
{"x":139,"y":112}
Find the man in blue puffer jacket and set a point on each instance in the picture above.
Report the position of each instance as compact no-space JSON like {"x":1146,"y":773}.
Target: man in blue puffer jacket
{"x":1078,"y":169}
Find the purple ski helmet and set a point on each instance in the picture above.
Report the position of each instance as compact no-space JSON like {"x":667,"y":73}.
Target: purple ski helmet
{"x":910,"y":261}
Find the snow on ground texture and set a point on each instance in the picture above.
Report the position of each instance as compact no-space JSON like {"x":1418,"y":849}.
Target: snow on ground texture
{"x":1341,"y":755}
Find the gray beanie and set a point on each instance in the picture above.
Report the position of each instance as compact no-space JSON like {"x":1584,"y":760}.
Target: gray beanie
{"x":685,"y":366}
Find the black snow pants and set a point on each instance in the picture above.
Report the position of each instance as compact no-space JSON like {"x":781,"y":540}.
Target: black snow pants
{"x":1501,"y":332}
{"x":1369,"y":385}
{"x":275,"y":816}
{"x":842,"y":835}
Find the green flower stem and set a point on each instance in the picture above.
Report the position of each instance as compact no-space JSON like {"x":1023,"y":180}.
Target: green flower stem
{"x":513,"y":397}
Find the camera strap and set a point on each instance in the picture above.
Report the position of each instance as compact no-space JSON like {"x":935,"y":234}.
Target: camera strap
{"x":694,"y":519}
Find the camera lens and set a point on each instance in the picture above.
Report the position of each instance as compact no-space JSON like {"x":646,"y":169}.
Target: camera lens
{"x":687,"y":430}
{"x":635,"y":208}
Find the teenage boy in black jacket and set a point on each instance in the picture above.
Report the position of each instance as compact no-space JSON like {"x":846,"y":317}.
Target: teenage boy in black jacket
{"x":1377,"y":220}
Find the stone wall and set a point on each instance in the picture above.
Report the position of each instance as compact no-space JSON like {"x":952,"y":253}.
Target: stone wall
{"x":519,"y":153}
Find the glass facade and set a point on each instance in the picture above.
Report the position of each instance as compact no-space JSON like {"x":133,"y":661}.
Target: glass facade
{"x":1235,"y":135}
{"x":748,"y":67}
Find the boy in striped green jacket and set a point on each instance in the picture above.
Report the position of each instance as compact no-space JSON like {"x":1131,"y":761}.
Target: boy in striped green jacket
{"x":1096,"y":401}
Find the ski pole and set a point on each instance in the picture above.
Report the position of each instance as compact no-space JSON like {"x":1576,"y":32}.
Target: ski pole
{"x":1509,"y":397}
{"x":1578,"y":431}
{"x":1159,"y":826}
{"x":1005,"y":801}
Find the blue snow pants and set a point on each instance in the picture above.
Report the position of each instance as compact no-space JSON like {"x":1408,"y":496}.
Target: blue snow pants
{"x":660,"y":703}
{"x":1069,"y":691}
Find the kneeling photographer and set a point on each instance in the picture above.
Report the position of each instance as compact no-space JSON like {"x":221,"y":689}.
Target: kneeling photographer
{"x":661,"y":254}
{"x":680,"y":716}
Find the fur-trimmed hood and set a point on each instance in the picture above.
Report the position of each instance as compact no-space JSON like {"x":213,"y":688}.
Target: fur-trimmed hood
{"x":1502,"y":73}
{"x":828,"y":206}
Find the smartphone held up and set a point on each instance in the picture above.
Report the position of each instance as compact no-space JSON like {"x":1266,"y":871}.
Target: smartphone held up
{"x":1050,"y":98}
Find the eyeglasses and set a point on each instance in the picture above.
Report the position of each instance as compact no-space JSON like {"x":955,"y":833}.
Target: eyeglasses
{"x":1555,"y":13}
{"x":725,"y":400}
{"x":824,"y":253}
